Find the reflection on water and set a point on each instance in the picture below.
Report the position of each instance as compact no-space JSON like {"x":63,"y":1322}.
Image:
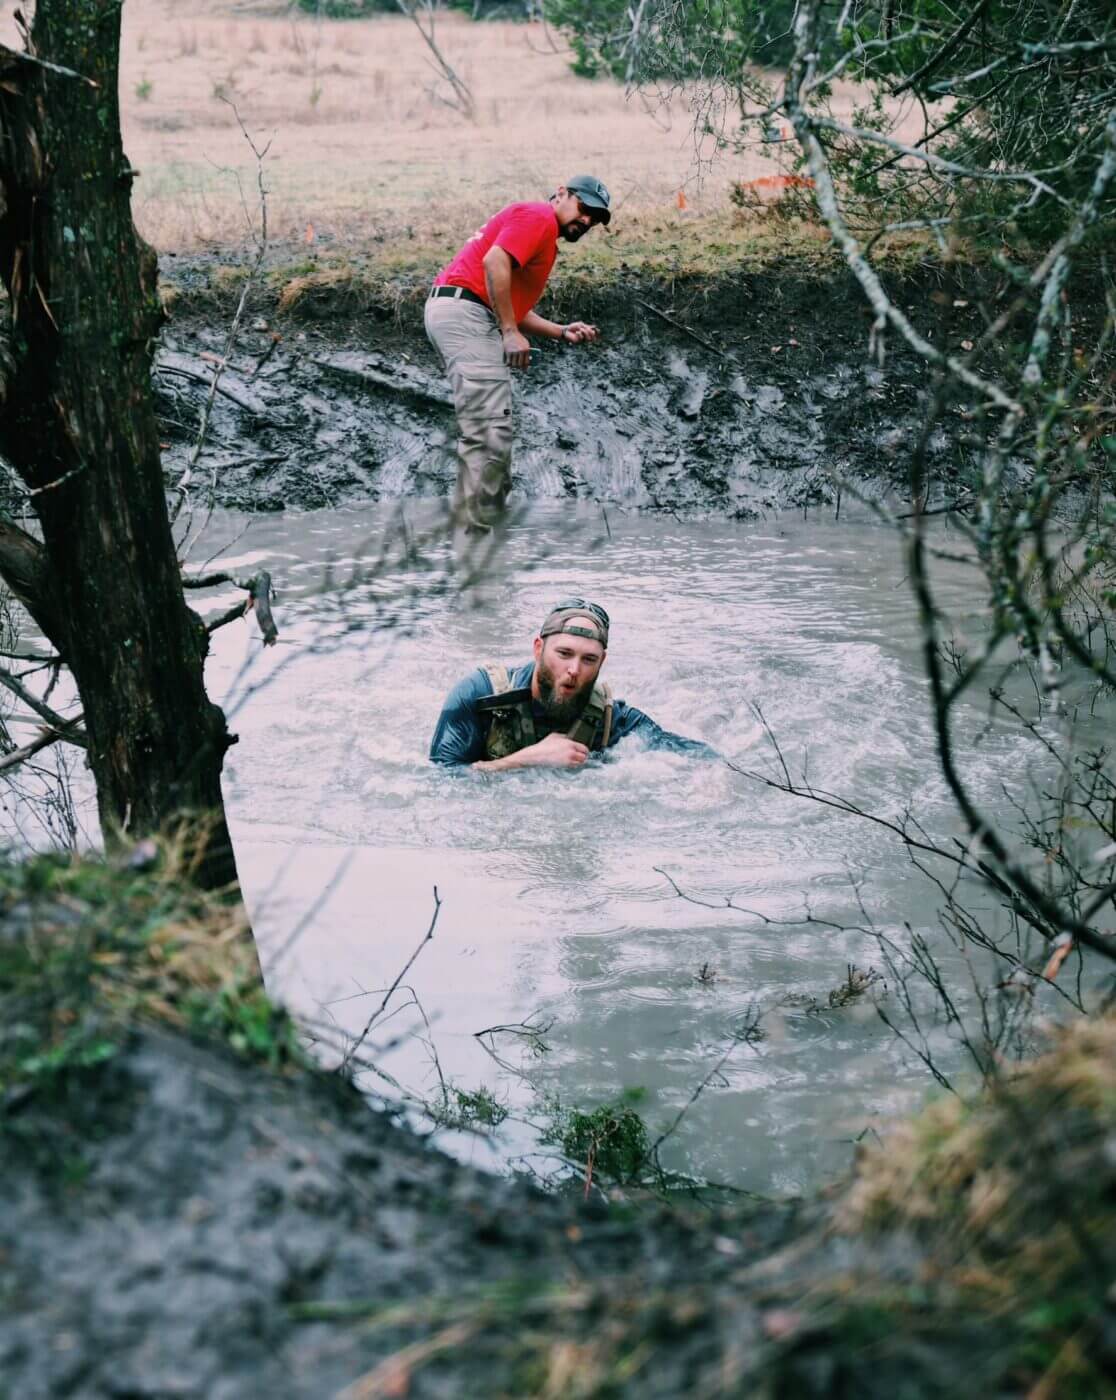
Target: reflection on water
{"x":556,"y":901}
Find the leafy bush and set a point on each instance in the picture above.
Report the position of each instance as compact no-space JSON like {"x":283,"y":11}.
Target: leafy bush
{"x":496,"y":9}
{"x":611,"y":1142}
{"x":699,"y":38}
{"x":477,"y":1108}
{"x":348,"y":9}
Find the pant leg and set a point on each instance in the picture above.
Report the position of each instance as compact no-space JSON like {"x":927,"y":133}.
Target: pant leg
{"x":466,"y":337}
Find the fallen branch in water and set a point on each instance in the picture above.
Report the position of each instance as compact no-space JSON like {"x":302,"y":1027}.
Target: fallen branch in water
{"x":259,"y":591}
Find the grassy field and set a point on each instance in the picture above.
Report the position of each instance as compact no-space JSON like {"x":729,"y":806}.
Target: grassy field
{"x":366,"y":156}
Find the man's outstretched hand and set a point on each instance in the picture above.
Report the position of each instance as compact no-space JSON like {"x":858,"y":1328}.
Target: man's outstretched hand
{"x":579,"y":332}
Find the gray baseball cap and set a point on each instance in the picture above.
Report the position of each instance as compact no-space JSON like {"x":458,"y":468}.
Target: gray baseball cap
{"x":593,"y":193}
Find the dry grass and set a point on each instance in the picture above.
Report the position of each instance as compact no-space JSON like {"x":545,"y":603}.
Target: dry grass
{"x":363,"y":150}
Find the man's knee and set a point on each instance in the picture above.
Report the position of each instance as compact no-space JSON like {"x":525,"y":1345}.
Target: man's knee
{"x":485,"y":439}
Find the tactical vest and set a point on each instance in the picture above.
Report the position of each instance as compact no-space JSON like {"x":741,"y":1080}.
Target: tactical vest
{"x":513,"y":723}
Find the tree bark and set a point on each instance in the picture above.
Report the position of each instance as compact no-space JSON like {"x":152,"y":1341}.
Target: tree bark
{"x":77,"y":422}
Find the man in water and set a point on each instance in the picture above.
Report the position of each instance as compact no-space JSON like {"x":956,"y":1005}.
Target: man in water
{"x":552,"y":712}
{"x":478,"y":316}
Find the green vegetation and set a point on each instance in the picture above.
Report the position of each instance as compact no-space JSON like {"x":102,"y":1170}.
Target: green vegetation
{"x":675,"y":251}
{"x":91,"y":950}
{"x":610,"y":1143}
{"x":348,"y":9}
{"x":475,"y":1108}
{"x":676,"y":41}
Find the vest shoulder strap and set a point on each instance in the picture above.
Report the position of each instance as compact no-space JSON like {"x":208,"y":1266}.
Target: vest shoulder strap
{"x":594,"y":725}
{"x":511,"y":725}
{"x":498,"y":677}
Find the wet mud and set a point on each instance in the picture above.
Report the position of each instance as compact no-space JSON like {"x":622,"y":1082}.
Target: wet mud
{"x":180,"y":1224}
{"x":215,"y":1231}
{"x":725,"y":401}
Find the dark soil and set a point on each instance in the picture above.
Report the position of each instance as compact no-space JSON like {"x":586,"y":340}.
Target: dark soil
{"x":183,"y":1224}
{"x":218,"y":1231}
{"x":756,"y":394}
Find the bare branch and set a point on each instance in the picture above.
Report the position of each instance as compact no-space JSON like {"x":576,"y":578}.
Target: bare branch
{"x":463,"y":99}
{"x":66,"y":727}
{"x":352,"y":1049}
{"x":261,"y":239}
{"x":17,"y":756}
{"x":259,"y":590}
{"x":8,"y":56}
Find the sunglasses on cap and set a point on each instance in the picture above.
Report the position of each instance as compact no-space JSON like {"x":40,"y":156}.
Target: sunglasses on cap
{"x":590,"y":609}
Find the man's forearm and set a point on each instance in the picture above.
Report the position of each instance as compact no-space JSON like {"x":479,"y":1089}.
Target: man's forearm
{"x":497,"y":278}
{"x":534,"y":324}
{"x":500,"y":765}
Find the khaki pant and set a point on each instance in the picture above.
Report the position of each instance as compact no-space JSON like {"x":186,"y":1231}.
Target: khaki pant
{"x":466,"y":337}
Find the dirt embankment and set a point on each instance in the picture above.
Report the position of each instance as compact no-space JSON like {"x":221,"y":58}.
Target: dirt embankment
{"x":235,"y":1234}
{"x":726,"y":398}
{"x":191,"y":1211}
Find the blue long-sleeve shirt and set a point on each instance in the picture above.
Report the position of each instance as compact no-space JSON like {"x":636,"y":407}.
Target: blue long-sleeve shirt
{"x":461,"y":732}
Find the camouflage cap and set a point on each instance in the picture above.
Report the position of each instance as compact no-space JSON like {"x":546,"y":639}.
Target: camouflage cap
{"x":558,"y":618}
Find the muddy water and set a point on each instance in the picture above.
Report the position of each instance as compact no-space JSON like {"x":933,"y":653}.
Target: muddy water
{"x":558,"y":907}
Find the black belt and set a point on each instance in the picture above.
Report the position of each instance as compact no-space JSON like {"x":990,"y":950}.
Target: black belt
{"x":463,"y":292}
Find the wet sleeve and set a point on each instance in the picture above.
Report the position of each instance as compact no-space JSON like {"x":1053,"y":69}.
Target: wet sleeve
{"x":459,"y":733}
{"x":524,"y":234}
{"x":626,"y":719}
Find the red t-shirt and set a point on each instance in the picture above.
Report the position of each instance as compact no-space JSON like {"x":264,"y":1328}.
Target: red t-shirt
{"x":529,"y":233}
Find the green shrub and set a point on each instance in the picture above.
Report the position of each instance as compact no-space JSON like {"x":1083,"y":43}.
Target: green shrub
{"x":90,"y":950}
{"x":611,"y":1142}
{"x":348,"y":9}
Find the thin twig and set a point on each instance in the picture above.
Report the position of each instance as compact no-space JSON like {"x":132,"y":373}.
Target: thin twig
{"x":351,"y":1051}
{"x":66,"y":727}
{"x":686,"y":330}
{"x":20,"y":57}
{"x":18,"y":756}
{"x":182,"y":488}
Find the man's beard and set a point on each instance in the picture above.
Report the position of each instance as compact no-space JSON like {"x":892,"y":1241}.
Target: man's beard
{"x":571,"y":232}
{"x":561,"y":712}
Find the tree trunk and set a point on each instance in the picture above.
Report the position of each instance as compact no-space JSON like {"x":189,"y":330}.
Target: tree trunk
{"x":77,"y":422}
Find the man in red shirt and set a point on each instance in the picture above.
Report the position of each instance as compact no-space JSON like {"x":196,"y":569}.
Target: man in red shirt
{"x":478,"y":316}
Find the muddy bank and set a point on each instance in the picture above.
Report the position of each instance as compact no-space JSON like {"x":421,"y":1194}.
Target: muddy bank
{"x":726,"y":399}
{"x":235,"y":1234}
{"x":191,"y":1210}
